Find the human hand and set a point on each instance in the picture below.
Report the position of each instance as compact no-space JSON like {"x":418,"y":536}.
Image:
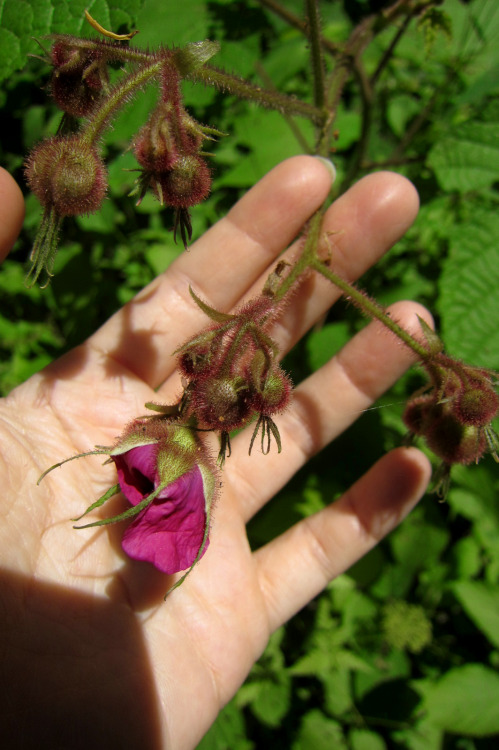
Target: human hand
{"x":92,"y":653}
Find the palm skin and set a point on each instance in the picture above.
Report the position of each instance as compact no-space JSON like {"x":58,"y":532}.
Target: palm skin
{"x":92,"y":654}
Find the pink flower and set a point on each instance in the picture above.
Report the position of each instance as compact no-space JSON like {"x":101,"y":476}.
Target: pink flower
{"x":169,"y":532}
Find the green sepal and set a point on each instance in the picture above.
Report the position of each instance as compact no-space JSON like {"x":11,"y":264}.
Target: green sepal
{"x":169,"y":410}
{"x":194,"y":55}
{"x":492,"y":442}
{"x":100,"y":450}
{"x":268,"y":427}
{"x":218,"y":317}
{"x":44,"y":248}
{"x":435,"y":344}
{"x":127,"y":513}
{"x":264,"y":341}
{"x":110,"y":493}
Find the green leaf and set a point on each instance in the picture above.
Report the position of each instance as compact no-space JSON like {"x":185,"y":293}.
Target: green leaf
{"x":320,"y":733}
{"x":228,"y":732}
{"x":481,"y":603}
{"x":466,"y":554}
{"x":338,"y":697}
{"x":469,"y":304}
{"x":363,"y":739}
{"x":465,"y":701}
{"x":467,"y":159}
{"x":272,"y":701}
{"x":22,"y":21}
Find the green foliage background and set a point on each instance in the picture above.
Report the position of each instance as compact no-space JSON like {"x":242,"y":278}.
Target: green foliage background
{"x":403,"y":650}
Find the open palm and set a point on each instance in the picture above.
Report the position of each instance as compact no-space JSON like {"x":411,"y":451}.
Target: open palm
{"x":93,"y":656}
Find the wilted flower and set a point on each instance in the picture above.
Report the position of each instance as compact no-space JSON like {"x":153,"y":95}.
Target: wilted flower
{"x":171,"y":531}
{"x":166,"y":474}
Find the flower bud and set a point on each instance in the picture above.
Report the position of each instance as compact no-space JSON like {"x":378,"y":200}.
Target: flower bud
{"x":454,"y":442}
{"x":186,"y":184}
{"x":156,"y":145}
{"x":477,"y":406}
{"x":77,"y":80}
{"x":418,"y":412}
{"x":222,"y":403}
{"x":67,"y":174}
{"x":273,"y":392}
{"x":196,"y":361}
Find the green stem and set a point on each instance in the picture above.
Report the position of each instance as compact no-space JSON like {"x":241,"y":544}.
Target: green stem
{"x":371,"y":308}
{"x":306,"y":259}
{"x":314,"y":35}
{"x":98,"y":120}
{"x":245,"y":90}
{"x":309,"y":260}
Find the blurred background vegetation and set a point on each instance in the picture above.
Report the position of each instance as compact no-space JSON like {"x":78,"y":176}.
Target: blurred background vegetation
{"x":403,"y":650}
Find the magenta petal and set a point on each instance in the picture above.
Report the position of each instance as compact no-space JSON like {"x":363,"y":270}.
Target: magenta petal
{"x":169,"y":532}
{"x":137,"y":472}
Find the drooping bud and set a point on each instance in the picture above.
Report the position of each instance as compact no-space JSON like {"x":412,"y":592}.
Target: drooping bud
{"x":454,"y":442}
{"x":78,"y":78}
{"x":477,"y":406}
{"x":455,"y":415}
{"x":196,"y":360}
{"x":272,"y":388}
{"x":156,"y":145}
{"x":67,"y":174}
{"x":186,"y":184}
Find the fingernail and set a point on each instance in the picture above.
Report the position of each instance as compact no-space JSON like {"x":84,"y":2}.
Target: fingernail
{"x":329,"y":166}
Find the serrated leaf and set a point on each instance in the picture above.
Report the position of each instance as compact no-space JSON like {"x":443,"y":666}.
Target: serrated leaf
{"x":481,"y":603}
{"x":465,"y":701}
{"x":467,"y":159}
{"x":469,"y":304}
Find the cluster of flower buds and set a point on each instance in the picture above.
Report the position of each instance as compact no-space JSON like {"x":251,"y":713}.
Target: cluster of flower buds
{"x":168,"y":150}
{"x":66,"y":172}
{"x":454,"y":412}
{"x":232,"y":376}
{"x":165,"y":470}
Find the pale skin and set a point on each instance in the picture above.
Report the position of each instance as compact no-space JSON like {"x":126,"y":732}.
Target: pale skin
{"x":92,"y":655}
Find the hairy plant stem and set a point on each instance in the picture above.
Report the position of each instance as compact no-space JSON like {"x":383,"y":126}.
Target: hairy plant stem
{"x":314,"y":33}
{"x":98,"y":120}
{"x":309,"y":260}
{"x":371,"y":308}
{"x":245,"y":90}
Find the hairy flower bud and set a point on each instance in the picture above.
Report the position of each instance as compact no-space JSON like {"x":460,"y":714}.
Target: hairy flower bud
{"x":454,"y":442}
{"x":68,"y":175}
{"x":77,"y":80}
{"x":187,"y":183}
{"x":455,"y":415}
{"x":272,"y":394}
{"x":156,"y":145}
{"x":477,"y":406}
{"x":222,"y":403}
